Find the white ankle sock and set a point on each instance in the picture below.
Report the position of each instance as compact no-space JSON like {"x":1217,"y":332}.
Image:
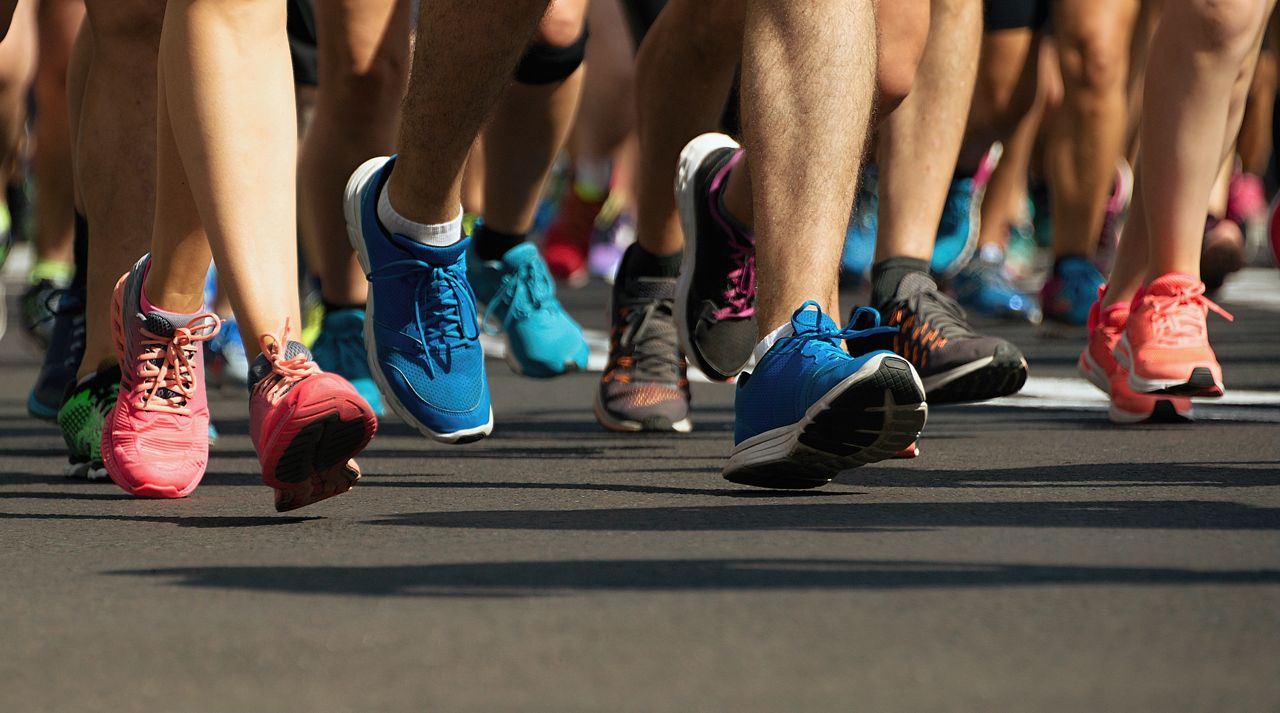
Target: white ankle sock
{"x":439,"y":235}
{"x":770,"y":339}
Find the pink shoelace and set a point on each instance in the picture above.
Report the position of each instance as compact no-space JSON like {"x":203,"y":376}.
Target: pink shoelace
{"x":166,"y":365}
{"x":740,"y":289}
{"x":1169,"y":313}
{"x":285,"y":372}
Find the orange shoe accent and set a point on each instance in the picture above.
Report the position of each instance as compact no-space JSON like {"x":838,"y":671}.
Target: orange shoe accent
{"x":1165,"y":347}
{"x":155,"y":443}
{"x":307,"y":425}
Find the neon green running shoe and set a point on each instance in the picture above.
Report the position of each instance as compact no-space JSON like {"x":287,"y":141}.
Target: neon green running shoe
{"x":81,"y":418}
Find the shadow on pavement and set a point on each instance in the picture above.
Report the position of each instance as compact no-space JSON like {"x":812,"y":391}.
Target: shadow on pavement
{"x":212,"y":521}
{"x":524,"y":579}
{"x":1098,"y":475}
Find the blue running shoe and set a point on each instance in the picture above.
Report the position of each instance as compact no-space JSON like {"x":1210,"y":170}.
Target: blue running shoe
{"x":340,"y":349}
{"x":226,"y":348}
{"x":958,"y":229}
{"x":421,"y":328}
{"x":983,"y":287}
{"x":1069,"y":293}
{"x":518,"y":293}
{"x":810,"y":410}
{"x":860,"y":240}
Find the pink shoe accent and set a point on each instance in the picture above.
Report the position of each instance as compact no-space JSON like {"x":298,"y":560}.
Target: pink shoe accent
{"x":307,"y":425}
{"x":156,"y":442}
{"x":1246,"y":198}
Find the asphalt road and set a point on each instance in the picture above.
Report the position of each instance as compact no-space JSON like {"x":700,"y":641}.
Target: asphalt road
{"x":1034,"y":558}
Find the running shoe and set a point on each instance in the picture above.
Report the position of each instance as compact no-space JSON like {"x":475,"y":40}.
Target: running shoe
{"x":644,"y":386}
{"x":1068,"y":294}
{"x":984,"y":287}
{"x":519,"y":299}
{"x":608,"y":243}
{"x":1165,"y":347}
{"x":39,"y":304}
{"x":860,"y":239}
{"x":307,"y":425}
{"x":1273,"y":231}
{"x":155,"y":444}
{"x":567,"y":241}
{"x":957,"y":364}
{"x":959,"y":226}
{"x":1113,"y":217}
{"x":1222,"y":252}
{"x":229,"y":362}
{"x":1246,"y":198}
{"x":87,"y":407}
{"x":421,"y":327}
{"x":339,"y":349}
{"x":715,"y":295}
{"x":809,"y":409}
{"x":62,"y":357}
{"x":1098,"y":366}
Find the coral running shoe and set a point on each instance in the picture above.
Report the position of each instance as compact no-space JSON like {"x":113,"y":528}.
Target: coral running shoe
{"x":1165,"y":346}
{"x":306,"y":424}
{"x":421,"y":328}
{"x":715,"y":295}
{"x":566,"y":244}
{"x":87,"y":407}
{"x":809,"y":409}
{"x":155,"y":443}
{"x":1098,"y":366}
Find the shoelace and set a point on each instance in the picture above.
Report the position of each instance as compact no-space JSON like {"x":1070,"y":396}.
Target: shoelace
{"x":285,"y":372}
{"x":918,"y":337}
{"x":1168,"y":318}
{"x":819,"y":332}
{"x":438,"y":315}
{"x":530,"y":281}
{"x":166,"y":365}
{"x":740,"y":288}
{"x":656,"y":352}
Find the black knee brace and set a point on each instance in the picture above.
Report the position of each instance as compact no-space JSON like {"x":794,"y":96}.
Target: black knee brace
{"x":545,"y":64}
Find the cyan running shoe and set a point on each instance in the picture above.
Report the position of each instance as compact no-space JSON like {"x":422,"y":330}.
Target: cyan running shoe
{"x":860,"y":239}
{"x":958,"y":228}
{"x":420,"y":327}
{"x":340,"y":349}
{"x":811,"y":410}
{"x":520,"y":301}
{"x":1069,"y":292}
{"x":984,"y":287}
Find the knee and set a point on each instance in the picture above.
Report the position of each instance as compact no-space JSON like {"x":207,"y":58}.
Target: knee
{"x":1229,"y":27}
{"x":904,"y":30}
{"x":561,"y":26}
{"x":558,"y":47}
{"x":1095,"y":58}
{"x":371,"y":84}
{"x":125,"y":23}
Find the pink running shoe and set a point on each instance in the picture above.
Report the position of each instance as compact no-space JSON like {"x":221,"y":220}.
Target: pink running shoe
{"x":307,"y":425}
{"x":1165,"y":346}
{"x":156,"y":442}
{"x":1246,"y":199}
{"x":1114,"y":217}
{"x":567,"y":242}
{"x":1099,"y":367}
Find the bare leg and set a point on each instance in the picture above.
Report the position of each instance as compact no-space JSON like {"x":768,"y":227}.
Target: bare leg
{"x":59,"y":21}
{"x":808,"y":83}
{"x":455,"y":86}
{"x":240,"y":55}
{"x":364,"y":56}
{"x":115,"y":164}
{"x":17,"y":68}
{"x":1006,"y":103}
{"x":920,"y":141}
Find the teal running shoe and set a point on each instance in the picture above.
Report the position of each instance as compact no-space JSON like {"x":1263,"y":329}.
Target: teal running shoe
{"x":517,"y":293}
{"x":983,"y":287}
{"x":1070,"y":292}
{"x":958,"y":229}
{"x":810,"y":409}
{"x":860,"y":239}
{"x":340,"y":349}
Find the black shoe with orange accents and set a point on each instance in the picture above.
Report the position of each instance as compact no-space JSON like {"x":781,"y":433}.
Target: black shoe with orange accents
{"x":956,"y":364}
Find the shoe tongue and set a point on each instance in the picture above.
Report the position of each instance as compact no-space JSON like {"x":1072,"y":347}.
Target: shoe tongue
{"x":261,"y":366}
{"x":914,"y":283}
{"x":1171,"y":284}
{"x":521,"y":255}
{"x":650,"y":288}
{"x":438,"y":256}
{"x":159,"y":324}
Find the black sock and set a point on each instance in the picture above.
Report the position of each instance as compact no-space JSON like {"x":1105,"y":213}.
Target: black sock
{"x":81,"y":247}
{"x":638,"y":262}
{"x":1057,"y":262}
{"x":887,"y":274}
{"x":492,"y":245}
{"x":330,"y":307}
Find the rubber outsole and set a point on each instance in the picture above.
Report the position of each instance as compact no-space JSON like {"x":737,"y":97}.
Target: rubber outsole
{"x":872,"y":415}
{"x":691,"y":158}
{"x":1164,"y":411}
{"x":653,"y":424}
{"x":355,"y":235}
{"x":1199,"y":383}
{"x":1003,"y":374}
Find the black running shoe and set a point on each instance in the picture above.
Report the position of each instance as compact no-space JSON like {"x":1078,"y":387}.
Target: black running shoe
{"x":715,"y":297}
{"x":62,"y":359}
{"x":957,"y":364}
{"x":644,"y":387}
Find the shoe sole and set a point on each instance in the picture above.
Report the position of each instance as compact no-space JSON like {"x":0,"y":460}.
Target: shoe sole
{"x":872,"y":415}
{"x":1199,"y":383}
{"x":315,"y":460}
{"x":1164,"y":411}
{"x":691,"y":158}
{"x":40,"y":411}
{"x":980,"y":380}
{"x":656,"y":424}
{"x":355,"y":235}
